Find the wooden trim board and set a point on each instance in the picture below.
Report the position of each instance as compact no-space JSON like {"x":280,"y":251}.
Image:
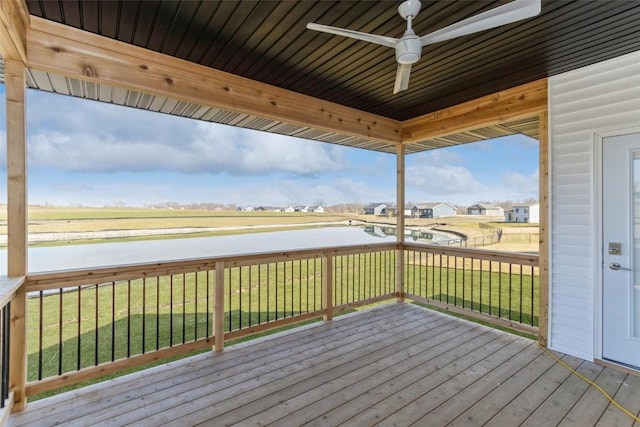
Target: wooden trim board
{"x":68,"y":51}
{"x":527,"y":100}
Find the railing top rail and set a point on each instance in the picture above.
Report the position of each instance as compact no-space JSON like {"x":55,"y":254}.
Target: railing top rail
{"x":8,"y":288}
{"x":95,"y":275}
{"x":483,"y":254}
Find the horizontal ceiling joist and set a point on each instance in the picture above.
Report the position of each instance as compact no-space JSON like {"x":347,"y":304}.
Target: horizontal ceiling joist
{"x":521,"y":102}
{"x":68,"y":51}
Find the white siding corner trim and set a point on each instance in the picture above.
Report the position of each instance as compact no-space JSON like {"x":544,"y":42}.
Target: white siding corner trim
{"x":584,"y":105}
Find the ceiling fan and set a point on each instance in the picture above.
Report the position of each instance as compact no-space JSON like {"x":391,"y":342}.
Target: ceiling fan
{"x":409,"y":46}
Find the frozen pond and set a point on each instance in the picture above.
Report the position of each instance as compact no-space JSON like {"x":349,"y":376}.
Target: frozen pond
{"x":53,"y":258}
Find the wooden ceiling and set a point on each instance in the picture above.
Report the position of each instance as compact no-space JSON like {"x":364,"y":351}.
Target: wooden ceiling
{"x":267,"y":41}
{"x":348,"y":83}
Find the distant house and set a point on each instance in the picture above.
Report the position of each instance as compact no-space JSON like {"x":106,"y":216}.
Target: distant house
{"x":290,"y":209}
{"x":523,"y":213}
{"x":301,"y":209}
{"x":485,"y":209}
{"x":376,"y":209}
{"x":410,"y":211}
{"x":269,"y":209}
{"x":435,"y":210}
{"x":316,"y":209}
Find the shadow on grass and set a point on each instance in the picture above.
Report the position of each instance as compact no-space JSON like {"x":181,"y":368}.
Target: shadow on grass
{"x":135,"y":335}
{"x":502,"y":311}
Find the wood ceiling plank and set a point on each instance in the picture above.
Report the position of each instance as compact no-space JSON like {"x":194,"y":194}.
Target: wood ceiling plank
{"x":512,"y":104}
{"x":75,"y":53}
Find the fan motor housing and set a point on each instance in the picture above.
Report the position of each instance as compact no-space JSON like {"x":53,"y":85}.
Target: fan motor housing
{"x":408,"y":50}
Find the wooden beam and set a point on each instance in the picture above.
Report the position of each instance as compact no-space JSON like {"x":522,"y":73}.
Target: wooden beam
{"x":68,"y":51}
{"x":16,"y":169}
{"x":543,"y":250}
{"x":14,"y":21}
{"x":400,"y":192}
{"x":512,"y":104}
{"x":17,"y":221}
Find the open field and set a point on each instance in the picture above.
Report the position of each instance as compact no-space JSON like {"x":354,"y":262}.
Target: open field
{"x":54,"y":225}
{"x":44,"y":219}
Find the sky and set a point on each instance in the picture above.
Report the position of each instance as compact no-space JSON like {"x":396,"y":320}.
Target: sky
{"x":89,"y":153}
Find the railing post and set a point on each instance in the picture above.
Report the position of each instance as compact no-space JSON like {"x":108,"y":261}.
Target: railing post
{"x":17,"y":222}
{"x":543,"y":250}
{"x":218,"y":308}
{"x":327,"y":285}
{"x":400,"y":187}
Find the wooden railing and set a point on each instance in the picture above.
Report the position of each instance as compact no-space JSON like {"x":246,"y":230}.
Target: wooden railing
{"x":497,"y":287}
{"x":8,"y":289}
{"x":87,"y":323}
{"x":84,"y":324}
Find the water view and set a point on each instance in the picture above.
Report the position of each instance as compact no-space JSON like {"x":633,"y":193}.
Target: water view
{"x":55,"y":258}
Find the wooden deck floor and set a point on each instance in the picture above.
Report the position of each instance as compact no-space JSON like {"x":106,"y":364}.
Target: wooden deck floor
{"x":397,"y":364}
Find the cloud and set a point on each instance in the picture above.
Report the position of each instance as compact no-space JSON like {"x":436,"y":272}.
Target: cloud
{"x":83,"y":136}
{"x":523,"y":184}
{"x":436,"y":174}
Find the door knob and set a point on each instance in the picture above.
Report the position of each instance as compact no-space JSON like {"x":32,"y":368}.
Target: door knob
{"x":616,"y":266}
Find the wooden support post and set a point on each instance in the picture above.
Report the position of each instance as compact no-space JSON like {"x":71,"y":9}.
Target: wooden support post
{"x":17,"y":222}
{"x":400,"y":186}
{"x":218,"y":308}
{"x":543,"y":282}
{"x":327,"y":286}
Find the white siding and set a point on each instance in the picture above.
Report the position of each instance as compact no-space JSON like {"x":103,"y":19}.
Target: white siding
{"x":581,"y":102}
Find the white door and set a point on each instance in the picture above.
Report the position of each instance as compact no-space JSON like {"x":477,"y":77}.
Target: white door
{"x":621,"y":249}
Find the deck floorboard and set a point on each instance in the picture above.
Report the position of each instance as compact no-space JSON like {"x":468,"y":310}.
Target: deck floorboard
{"x":393,"y":365}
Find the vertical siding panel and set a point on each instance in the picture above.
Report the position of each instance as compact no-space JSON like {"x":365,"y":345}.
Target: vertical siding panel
{"x":582,"y":102}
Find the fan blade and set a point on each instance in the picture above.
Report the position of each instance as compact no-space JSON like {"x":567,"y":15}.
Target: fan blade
{"x":371,"y":38}
{"x":402,"y":78}
{"x":502,"y":15}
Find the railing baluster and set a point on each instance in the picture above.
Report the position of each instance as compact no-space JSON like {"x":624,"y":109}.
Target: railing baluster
{"x":96,"y":327}
{"x":184,"y":307}
{"x":327,"y":286}
{"x":239,"y":298}
{"x":464,"y":284}
{"x":79,"y":337}
{"x":510,"y":290}
{"x":6,"y":348}
{"x":40,"y":321}
{"x":171,"y":310}
{"x":490,"y":286}
{"x":158,"y":311}
{"x":533,"y":311}
{"x":521,"y":295}
{"x":218,"y":308}
{"x":499,"y":289}
{"x":144,"y":313}
{"x":60,"y":341}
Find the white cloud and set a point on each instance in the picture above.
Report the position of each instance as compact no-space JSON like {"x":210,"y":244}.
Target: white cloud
{"x":437,"y":176}
{"x":520,"y":184}
{"x":80,"y":135}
